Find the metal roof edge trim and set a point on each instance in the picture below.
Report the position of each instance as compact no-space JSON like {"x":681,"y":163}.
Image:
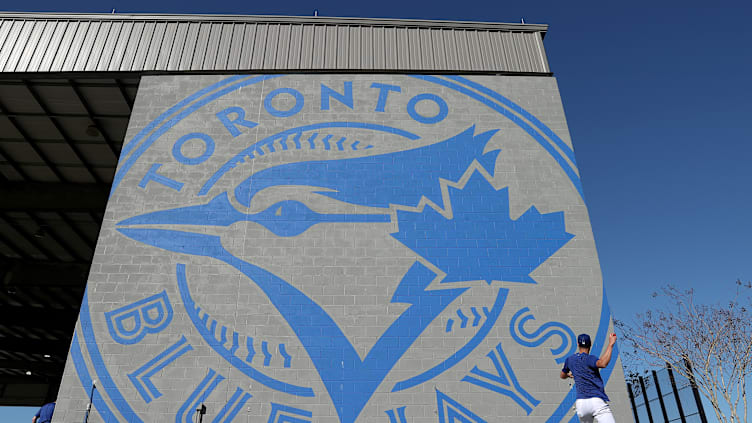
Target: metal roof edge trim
{"x":12,"y":76}
{"x":312,"y":20}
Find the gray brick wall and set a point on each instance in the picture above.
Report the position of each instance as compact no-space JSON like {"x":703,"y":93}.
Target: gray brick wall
{"x":340,"y":263}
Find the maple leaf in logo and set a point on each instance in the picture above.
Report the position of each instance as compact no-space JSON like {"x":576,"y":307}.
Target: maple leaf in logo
{"x":481,"y":241}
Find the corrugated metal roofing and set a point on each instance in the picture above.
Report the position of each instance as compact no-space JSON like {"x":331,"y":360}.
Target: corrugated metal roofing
{"x":113,"y":42}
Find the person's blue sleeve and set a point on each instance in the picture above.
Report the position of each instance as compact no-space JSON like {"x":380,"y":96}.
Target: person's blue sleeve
{"x":38,"y":413}
{"x":591,"y":361}
{"x":566,"y":366}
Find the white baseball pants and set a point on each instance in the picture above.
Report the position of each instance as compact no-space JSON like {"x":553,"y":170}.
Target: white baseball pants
{"x":593,"y":410}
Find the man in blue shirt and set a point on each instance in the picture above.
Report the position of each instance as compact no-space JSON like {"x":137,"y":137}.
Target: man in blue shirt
{"x":592,"y":401}
{"x":44,"y":415}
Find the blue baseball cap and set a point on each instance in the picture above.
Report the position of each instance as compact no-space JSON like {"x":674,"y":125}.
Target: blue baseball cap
{"x":583,"y":340}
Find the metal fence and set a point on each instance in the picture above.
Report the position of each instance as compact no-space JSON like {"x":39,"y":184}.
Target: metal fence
{"x":665,"y":396}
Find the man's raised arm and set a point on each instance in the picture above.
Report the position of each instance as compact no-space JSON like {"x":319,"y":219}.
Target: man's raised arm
{"x":606,"y":356}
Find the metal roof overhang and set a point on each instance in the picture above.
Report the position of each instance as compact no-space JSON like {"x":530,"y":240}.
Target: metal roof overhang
{"x":67,"y":87}
{"x":208,"y":43}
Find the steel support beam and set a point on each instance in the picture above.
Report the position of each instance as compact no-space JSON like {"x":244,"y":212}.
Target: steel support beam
{"x":21,"y":380}
{"x":27,"y":392}
{"x":30,"y":273}
{"x":35,"y":346}
{"x":42,"y":155}
{"x":37,"y":318}
{"x":95,"y":120}
{"x":24,"y":196}
{"x":28,"y":236}
{"x":65,"y":115}
{"x":35,"y":367}
{"x":63,"y":133}
{"x":81,"y":82}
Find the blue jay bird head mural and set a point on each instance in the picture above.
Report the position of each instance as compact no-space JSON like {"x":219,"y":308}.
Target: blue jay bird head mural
{"x":378,"y":181}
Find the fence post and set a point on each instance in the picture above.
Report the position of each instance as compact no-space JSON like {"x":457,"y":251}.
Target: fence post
{"x":660,"y":396}
{"x":631,"y":399}
{"x":698,"y":400}
{"x":645,"y":397}
{"x":676,"y":393}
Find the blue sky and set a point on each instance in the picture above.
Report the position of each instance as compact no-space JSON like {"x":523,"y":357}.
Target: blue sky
{"x":657,"y":96}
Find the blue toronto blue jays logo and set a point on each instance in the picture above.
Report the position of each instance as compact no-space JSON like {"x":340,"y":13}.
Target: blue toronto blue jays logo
{"x":480,"y":242}
{"x":436,"y":198}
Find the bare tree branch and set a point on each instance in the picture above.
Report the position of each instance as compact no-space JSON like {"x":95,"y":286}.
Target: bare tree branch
{"x":715,"y":340}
